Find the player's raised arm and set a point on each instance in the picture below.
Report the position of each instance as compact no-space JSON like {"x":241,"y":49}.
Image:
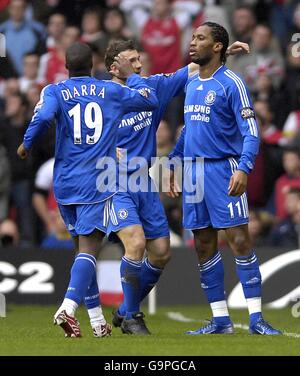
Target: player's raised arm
{"x":168,"y":85}
{"x":133,"y":100}
{"x":238,"y":47}
{"x":142,"y":99}
{"x":242,"y":107}
{"x":44,"y":114}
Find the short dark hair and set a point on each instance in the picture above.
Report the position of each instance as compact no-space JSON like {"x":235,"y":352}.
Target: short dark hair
{"x":22,"y":97}
{"x":79,"y":58}
{"x":116,"y":47}
{"x":245,"y":7}
{"x":219,"y":34}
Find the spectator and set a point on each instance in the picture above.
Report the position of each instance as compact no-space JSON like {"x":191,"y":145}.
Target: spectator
{"x":264,"y":58}
{"x":99,"y":70}
{"x":74,"y":9}
{"x":22,"y":36}
{"x":146,"y":64}
{"x":52,"y":65}
{"x":91,"y":29}
{"x":161,"y":30}
{"x":268,"y":161}
{"x":243,"y":23}
{"x":264,"y":90}
{"x":59,"y":238}
{"x":9,"y":234}
{"x":282,"y":17}
{"x":292,"y":125}
{"x":12,"y":129}
{"x":291,"y":177}
{"x":43,"y":197}
{"x":11,"y":87}
{"x":56,"y":27}
{"x":292,"y":84}
{"x":294,"y":22}
{"x":32,"y":95}
{"x":287,"y":232}
{"x":115,"y":25}
{"x":259,"y":226}
{"x":291,"y":199}
{"x":30,"y":72}
{"x":270,"y":134}
{"x":4,"y":183}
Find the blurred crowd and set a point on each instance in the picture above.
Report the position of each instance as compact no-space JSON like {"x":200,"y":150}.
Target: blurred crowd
{"x":37,"y":34}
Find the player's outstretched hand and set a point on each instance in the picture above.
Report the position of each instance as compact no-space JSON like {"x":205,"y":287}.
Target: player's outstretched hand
{"x":123,"y":67}
{"x":173,"y":189}
{"x":22,"y":152}
{"x":238,"y":183}
{"x":237,"y":48}
{"x":119,"y":154}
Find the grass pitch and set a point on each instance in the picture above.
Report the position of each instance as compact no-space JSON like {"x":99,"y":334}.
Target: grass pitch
{"x":28,"y":330}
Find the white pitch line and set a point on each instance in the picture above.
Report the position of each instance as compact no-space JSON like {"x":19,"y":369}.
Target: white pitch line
{"x":294,"y":335}
{"x":178,"y":316}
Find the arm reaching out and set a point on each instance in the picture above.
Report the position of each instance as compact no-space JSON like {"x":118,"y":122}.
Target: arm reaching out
{"x":237,"y":48}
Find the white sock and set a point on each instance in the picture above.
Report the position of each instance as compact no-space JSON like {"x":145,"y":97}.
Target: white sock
{"x":254,"y":305}
{"x":69,"y":306}
{"x":219,"y":308}
{"x":96,"y":316}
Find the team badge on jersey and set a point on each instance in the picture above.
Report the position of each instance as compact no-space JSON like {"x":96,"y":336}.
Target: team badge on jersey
{"x":247,"y":113}
{"x":144,"y":92}
{"x":122,"y":213}
{"x":210,"y":97}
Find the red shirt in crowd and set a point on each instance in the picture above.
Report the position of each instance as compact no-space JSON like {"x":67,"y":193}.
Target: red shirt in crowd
{"x":161,"y":40}
{"x":283,"y":184}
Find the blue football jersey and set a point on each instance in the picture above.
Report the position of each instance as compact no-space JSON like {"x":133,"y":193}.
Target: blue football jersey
{"x":137,"y":130}
{"x":219,"y":120}
{"x":87,"y":113}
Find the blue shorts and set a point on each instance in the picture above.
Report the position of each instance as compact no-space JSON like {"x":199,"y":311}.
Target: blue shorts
{"x":215,"y":208}
{"x":140,"y":208}
{"x":83,"y":219}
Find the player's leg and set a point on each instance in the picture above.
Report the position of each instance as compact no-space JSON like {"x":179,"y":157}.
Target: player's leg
{"x":198,"y":218}
{"x":158,"y":255}
{"x":124,"y":221}
{"x":92,"y":301}
{"x":133,"y":239}
{"x":231,"y":213}
{"x":97,"y":219}
{"x":85,"y":223}
{"x":82,"y":272}
{"x":212,"y":281}
{"x":156,"y":229}
{"x":152,"y":216}
{"x":99,"y":325}
{"x":248,"y":271}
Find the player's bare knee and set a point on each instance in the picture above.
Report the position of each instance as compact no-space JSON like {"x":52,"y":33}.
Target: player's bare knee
{"x":161,"y":258}
{"x":205,"y":246}
{"x":240,"y":245}
{"x":165,"y":257}
{"x":205,"y":250}
{"x":135,"y":248}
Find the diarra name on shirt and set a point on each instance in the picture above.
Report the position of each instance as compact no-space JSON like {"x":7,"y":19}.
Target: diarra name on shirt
{"x":83,"y":90}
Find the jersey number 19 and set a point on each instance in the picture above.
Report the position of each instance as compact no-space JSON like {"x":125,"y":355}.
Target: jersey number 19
{"x":93,"y":119}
